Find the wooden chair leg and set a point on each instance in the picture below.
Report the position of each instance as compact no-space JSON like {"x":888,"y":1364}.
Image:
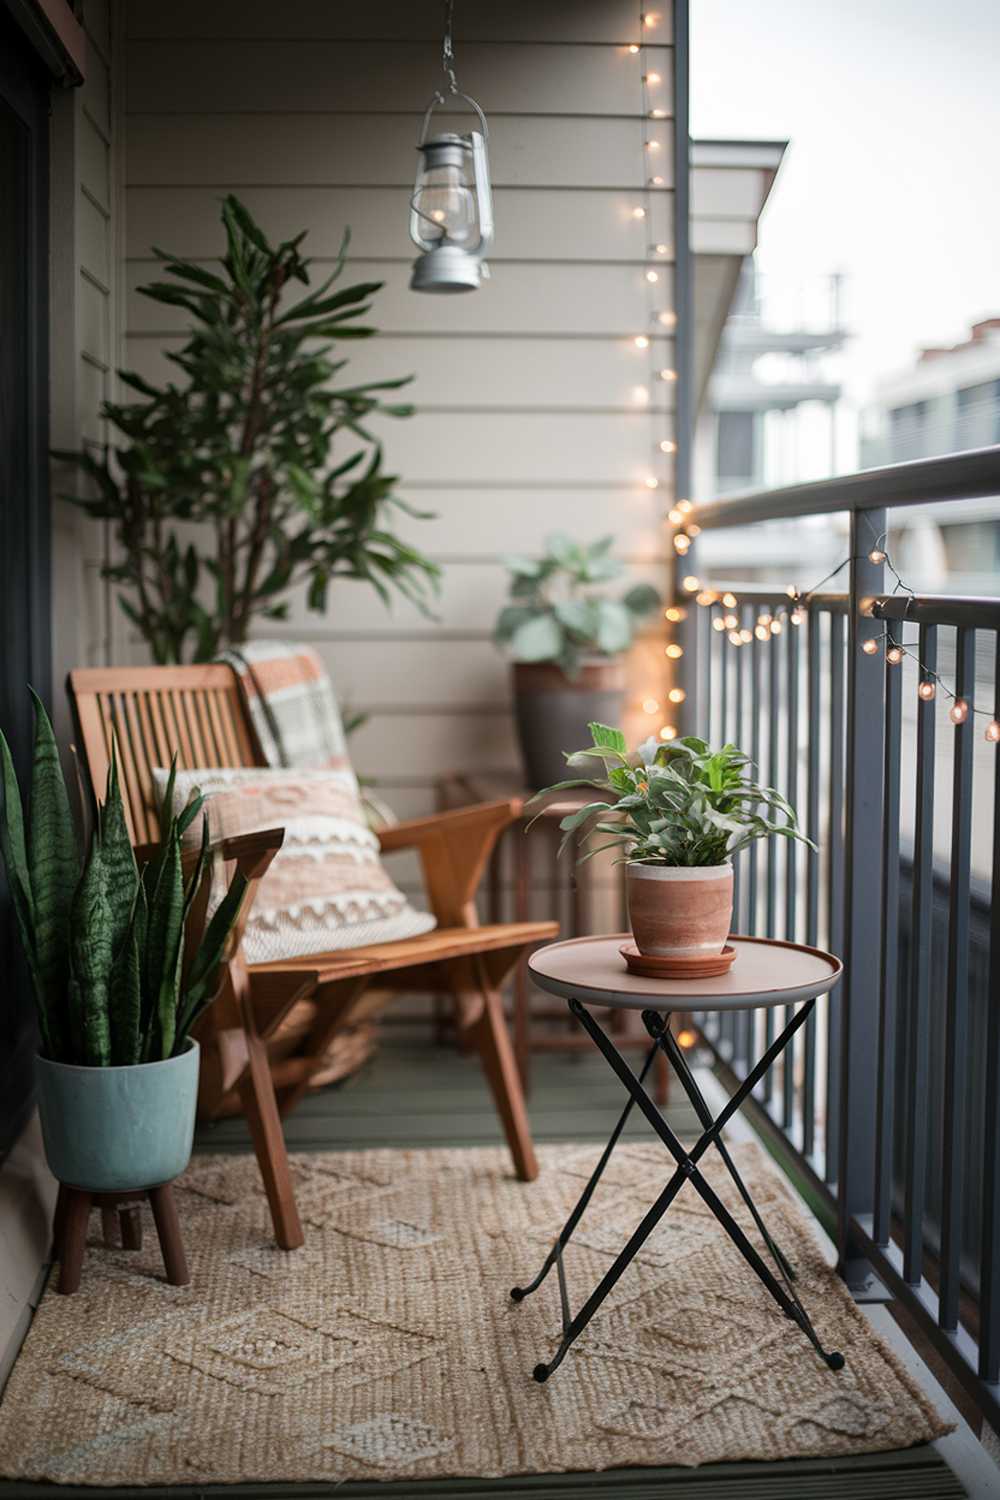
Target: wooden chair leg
{"x":261,"y":1107}
{"x":130,"y":1219}
{"x":169,"y":1230}
{"x":489,"y":1034}
{"x":74,"y":1239}
{"x":59,"y":1222}
{"x":109,"y":1226}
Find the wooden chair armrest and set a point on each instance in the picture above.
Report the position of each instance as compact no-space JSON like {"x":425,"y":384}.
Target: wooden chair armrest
{"x":454,"y":848}
{"x":252,"y":852}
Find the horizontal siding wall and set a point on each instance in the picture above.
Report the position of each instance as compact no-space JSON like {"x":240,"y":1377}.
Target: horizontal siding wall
{"x":535,"y":410}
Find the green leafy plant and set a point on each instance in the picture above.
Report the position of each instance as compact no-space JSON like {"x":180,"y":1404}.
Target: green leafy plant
{"x":104,"y":942}
{"x":557,"y":612}
{"x":674,"y":804}
{"x":243,"y":448}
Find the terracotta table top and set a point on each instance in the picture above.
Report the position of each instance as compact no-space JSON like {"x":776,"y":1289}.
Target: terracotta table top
{"x":765,"y":972}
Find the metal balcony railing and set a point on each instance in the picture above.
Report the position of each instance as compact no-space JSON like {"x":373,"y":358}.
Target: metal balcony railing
{"x":889,"y":1106}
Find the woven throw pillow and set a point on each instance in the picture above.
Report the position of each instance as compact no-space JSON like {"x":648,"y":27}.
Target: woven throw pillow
{"x":326,"y":887}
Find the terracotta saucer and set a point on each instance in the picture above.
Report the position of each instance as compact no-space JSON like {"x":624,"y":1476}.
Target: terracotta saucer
{"x":687,"y":966}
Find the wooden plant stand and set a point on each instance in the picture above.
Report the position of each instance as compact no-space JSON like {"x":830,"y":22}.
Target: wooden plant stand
{"x":72,"y":1216}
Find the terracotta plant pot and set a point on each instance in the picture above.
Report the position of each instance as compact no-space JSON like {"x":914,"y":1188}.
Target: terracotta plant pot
{"x":680,"y":911}
{"x":552,"y":713}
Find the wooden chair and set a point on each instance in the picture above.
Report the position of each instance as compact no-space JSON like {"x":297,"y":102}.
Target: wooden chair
{"x":198,"y":713}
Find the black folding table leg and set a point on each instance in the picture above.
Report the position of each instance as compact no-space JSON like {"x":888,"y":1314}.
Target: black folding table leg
{"x":658,"y":1027}
{"x":518,"y":1293}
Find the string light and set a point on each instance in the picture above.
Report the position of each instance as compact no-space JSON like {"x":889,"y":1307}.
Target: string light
{"x":666,"y":446}
{"x":652,"y":145}
{"x":735,"y":639}
{"x":686,"y":1038}
{"x":685,"y":507}
{"x":682,"y":542}
{"x":668,"y":374}
{"x":650,"y":20}
{"x":730,"y":621}
{"x":652,"y":276}
{"x":706,"y":597}
{"x":926,"y":690}
{"x":641,"y":341}
{"x":894,"y":655}
{"x":870,"y":647}
{"x":729,"y":600}
{"x":633,"y":48}
{"x":796,"y":617}
{"x":657,"y":114}
{"x":718,"y":624}
{"x":674,"y":516}
{"x":775,"y":627}
{"x":674,"y":614}
{"x":877,"y":556}
{"x":675,"y":651}
{"x":650,"y":706}
{"x":762,"y":633}
{"x":638,"y":213}
{"x":656,"y":182}
{"x":652,"y":483}
{"x":651,"y":78}
{"x":661,"y":249}
{"x":993,"y":731}
{"x":677,"y":695}
{"x":668,"y":732}
{"x":668,"y":319}
{"x":959,"y":711}
{"x":691,"y":584}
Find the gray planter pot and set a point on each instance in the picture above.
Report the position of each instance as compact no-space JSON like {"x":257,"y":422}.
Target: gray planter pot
{"x":552,"y":713}
{"x":115,"y":1130}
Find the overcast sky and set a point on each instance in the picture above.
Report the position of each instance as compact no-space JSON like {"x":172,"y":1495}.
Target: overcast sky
{"x":892,"y":108}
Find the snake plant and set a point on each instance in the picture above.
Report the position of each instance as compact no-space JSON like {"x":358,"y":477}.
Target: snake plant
{"x":104,"y":941}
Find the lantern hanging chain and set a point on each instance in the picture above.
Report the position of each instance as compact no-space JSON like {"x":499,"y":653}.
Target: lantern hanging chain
{"x":448,"y":48}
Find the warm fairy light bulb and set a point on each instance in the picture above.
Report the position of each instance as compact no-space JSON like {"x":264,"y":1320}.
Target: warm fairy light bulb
{"x":894,"y":656}
{"x":650,"y":706}
{"x":657,"y":114}
{"x":674,"y":516}
{"x":633,"y":47}
{"x":870,"y":647}
{"x":686,"y":1038}
{"x":674,"y":613}
{"x":959,"y":711}
{"x":668,"y":374}
{"x":691,"y":584}
{"x":674,"y":651}
{"x":730,"y":621}
{"x":668,"y":732}
{"x":876,"y":555}
{"x":650,"y":19}
{"x":775,"y":627}
{"x":652,"y":483}
{"x":652,"y":145}
{"x":718,"y":624}
{"x":762,"y":633}
{"x":640,"y":395}
{"x":729,"y":600}
{"x":661,"y":249}
{"x":638,"y":213}
{"x":993,"y":731}
{"x":735,"y":639}
{"x":668,"y":319}
{"x":641,"y":341}
{"x":652,"y":276}
{"x":656,"y":182}
{"x":693,"y":530}
{"x":926,"y":690}
{"x":651,"y":78}
{"x":706,"y":597}
{"x":792,"y":591}
{"x":677,"y":695}
{"x":682,"y":542}
{"x":866,"y":607}
{"x":746,"y":635}
{"x":685,"y":506}
{"x":796,"y":617}
{"x":764,"y":619}
{"x":667,"y":446}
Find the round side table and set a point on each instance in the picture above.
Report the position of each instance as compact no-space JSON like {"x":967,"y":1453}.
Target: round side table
{"x":591,"y":971}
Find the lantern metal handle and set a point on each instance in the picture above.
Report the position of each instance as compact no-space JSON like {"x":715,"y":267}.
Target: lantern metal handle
{"x":438,"y":98}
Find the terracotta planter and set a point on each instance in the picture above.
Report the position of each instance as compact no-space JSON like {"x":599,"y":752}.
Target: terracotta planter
{"x":680,"y":911}
{"x":553,"y":712}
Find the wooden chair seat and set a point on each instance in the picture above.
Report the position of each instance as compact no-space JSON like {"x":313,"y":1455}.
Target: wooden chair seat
{"x":198,"y":714}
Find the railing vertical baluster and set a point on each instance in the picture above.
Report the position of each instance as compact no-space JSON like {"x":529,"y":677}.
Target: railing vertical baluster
{"x":835,"y":890}
{"x":989,"y":1258}
{"x":889,"y":959}
{"x":918,"y":1029}
{"x":791,"y":869}
{"x":753,"y":852}
{"x":813,"y":650}
{"x":956,"y":1044}
{"x":737,"y":738}
{"x":771,"y":855}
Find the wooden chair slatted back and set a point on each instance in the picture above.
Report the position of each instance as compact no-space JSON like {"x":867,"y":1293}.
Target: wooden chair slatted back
{"x":194,"y":712}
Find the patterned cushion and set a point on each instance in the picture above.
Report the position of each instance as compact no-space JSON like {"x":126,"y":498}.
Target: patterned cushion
{"x":326,"y":888}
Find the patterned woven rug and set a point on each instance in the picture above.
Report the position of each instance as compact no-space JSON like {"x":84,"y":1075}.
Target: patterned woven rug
{"x":388,"y":1347}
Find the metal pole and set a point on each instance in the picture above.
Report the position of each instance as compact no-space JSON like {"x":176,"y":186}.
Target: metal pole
{"x":684,"y":407}
{"x":862,"y":900}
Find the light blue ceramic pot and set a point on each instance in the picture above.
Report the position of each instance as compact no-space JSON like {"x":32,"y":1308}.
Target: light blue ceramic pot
{"x":115,"y":1130}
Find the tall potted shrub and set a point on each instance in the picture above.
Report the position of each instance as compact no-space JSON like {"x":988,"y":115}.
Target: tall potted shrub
{"x":116,"y":992}
{"x":567,"y":638}
{"x":230,"y":487}
{"x":677,"y":815}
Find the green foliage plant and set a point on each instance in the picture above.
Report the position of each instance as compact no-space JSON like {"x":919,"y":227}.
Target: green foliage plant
{"x":558,"y":611}
{"x":672,"y":804}
{"x":228,"y":488}
{"x":104,"y":941}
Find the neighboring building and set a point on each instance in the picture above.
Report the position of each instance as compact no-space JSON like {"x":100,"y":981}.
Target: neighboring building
{"x":948,"y":401}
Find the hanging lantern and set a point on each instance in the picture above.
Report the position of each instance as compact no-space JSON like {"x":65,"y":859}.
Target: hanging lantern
{"x":451,"y":211}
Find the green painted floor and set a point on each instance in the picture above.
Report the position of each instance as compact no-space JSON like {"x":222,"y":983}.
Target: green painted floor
{"x":418,"y":1094}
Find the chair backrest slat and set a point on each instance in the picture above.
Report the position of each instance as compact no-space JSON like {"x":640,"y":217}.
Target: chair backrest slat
{"x":194,"y":712}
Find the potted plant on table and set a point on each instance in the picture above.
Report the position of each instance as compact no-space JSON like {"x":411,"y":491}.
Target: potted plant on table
{"x":567,"y":640}
{"x":116,"y":991}
{"x":677,"y":814}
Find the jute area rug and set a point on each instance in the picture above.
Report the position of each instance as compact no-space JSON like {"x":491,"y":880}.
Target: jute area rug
{"x":388,"y":1347}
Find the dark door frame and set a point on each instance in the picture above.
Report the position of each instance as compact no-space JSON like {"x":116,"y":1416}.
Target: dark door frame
{"x":25,"y":525}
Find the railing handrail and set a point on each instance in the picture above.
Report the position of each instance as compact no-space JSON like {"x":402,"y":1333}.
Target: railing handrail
{"x":952,"y":476}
